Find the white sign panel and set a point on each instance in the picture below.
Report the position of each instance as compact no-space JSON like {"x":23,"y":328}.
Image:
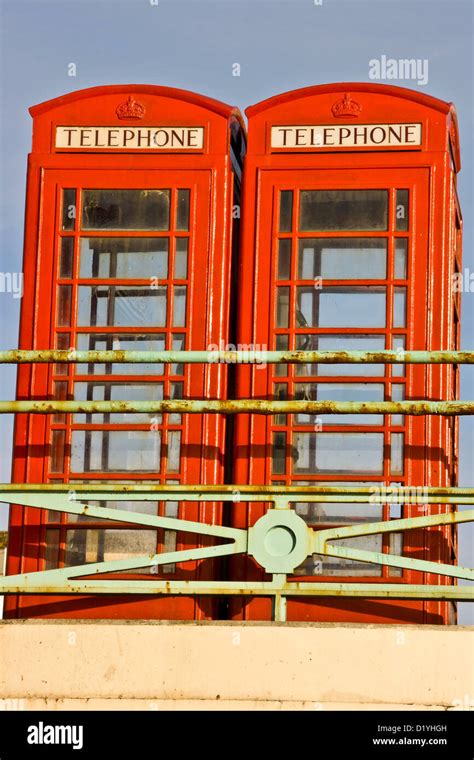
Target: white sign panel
{"x":313,"y":137}
{"x":136,"y":138}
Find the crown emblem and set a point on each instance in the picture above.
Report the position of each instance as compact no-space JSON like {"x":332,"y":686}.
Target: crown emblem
{"x":346,"y":107}
{"x":130,"y":109}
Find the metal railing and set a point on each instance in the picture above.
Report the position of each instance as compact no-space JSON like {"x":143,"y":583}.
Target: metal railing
{"x":280,"y":541}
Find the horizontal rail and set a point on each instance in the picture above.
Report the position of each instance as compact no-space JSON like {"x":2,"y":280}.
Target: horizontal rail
{"x":242,"y":588}
{"x":236,"y":406}
{"x":378,"y":493}
{"x":239,"y":406}
{"x":17,"y":356}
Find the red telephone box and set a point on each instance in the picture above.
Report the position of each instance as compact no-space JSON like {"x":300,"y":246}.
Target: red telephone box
{"x":351,"y":232}
{"x":128,"y":245}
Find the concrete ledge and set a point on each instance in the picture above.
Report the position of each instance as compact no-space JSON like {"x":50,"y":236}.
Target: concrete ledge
{"x":198,"y":704}
{"x":158,"y":665}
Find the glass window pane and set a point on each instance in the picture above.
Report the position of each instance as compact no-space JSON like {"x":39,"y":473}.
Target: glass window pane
{"x":169,"y":545}
{"x":398,"y":342}
{"x":69,"y":209}
{"x":101,"y":342}
{"x":60,"y":394}
{"x":64,"y":307}
{"x":122,"y":306}
{"x":87,"y":447}
{"x":284,"y":259}
{"x":332,"y":513}
{"x":343,"y":209}
{"x":279,"y":453}
{"x":182,"y":210}
{"x":174,"y":451}
{"x":340,"y":307}
{"x":178,"y":344}
{"x":340,"y":343}
{"x":171,"y":508}
{"x":176,"y":393}
{"x":126,"y":210}
{"x":115,"y":450}
{"x":179,"y":306}
{"x":145,"y":507}
{"x":286,"y":210}
{"x":338,"y":453}
{"x":58,"y":444}
{"x":306,"y":392}
{"x":398,"y":394}
{"x":395,"y":505}
{"x":396,"y":456}
{"x":281,"y":344}
{"x":85,"y":546}
{"x":282,"y":307}
{"x":340,"y":392}
{"x":118,"y":392}
{"x":280,"y":393}
{"x":396,"y":547}
{"x":126,"y":258}
{"x":62,"y":343}
{"x":66,"y":257}
{"x":342,"y":258}
{"x":51,"y":549}
{"x":400,"y":262}
{"x":181,"y":259}
{"x":402,"y":210}
{"x":399,"y":307}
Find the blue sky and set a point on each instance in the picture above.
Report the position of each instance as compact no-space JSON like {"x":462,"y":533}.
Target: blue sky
{"x":279,"y":44}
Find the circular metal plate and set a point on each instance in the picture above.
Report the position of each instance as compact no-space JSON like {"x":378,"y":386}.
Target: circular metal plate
{"x":280,"y":541}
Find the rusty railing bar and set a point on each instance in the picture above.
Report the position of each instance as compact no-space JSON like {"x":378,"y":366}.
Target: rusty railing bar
{"x":19,"y":356}
{"x":238,"y":406}
{"x":383,"y":492}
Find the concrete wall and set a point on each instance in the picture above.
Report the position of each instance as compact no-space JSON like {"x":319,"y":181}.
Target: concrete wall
{"x":157,"y":665}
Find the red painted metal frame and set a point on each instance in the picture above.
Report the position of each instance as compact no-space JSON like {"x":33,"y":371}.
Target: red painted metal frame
{"x":430,"y":172}
{"x":209,"y":172}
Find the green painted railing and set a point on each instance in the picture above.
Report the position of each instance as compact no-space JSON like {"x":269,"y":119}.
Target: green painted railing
{"x":281,"y":540}
{"x":250,"y":356}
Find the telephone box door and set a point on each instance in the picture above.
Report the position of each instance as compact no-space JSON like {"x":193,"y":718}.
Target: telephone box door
{"x":345,"y":253}
{"x":120,"y":251}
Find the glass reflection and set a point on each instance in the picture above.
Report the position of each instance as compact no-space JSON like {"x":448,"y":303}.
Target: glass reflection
{"x":126,"y":210}
{"x":343,"y":210}
{"x":342,"y":258}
